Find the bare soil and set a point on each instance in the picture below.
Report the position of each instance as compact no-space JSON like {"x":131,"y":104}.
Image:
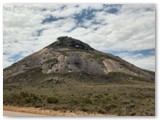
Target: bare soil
{"x":31,"y":111}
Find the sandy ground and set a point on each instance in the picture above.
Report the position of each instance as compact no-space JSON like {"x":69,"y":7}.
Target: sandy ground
{"x":18,"y":114}
{"x":30,"y":111}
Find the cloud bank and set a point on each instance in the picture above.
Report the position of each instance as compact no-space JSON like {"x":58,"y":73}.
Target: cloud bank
{"x":127,"y":31}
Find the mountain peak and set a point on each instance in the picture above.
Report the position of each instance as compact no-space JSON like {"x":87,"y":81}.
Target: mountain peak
{"x":71,"y":42}
{"x":59,"y":57}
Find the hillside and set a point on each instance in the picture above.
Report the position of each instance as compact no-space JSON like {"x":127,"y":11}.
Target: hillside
{"x":70,"y":75}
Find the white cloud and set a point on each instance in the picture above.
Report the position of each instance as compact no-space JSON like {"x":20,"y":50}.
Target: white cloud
{"x":142,"y":61}
{"x":131,"y":28}
{"x":135,"y":31}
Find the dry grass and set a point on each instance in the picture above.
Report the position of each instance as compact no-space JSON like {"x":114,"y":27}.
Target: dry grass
{"x":89,"y":94}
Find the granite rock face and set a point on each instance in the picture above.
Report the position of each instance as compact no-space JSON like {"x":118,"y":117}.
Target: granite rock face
{"x":69,"y":55}
{"x":71,"y":42}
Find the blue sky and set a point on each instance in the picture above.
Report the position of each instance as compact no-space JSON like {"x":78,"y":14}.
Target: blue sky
{"x":147,"y":52}
{"x":127,"y":31}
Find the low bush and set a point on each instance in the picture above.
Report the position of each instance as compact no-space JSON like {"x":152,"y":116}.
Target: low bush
{"x":52,"y":100}
{"x":23,"y":99}
{"x":110,"y":107}
{"x":87,"y":100}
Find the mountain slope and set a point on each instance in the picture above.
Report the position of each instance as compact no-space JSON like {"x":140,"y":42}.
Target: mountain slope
{"x":69,"y":75}
{"x":68,"y":55}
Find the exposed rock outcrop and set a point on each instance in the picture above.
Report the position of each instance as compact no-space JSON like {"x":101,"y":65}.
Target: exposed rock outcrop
{"x":71,"y":42}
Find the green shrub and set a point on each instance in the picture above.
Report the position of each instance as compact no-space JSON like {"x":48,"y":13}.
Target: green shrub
{"x":110,"y":106}
{"x":23,"y":99}
{"x":52,"y":100}
{"x":87,"y":100}
{"x":84,"y":109}
{"x":102,"y":111}
{"x":74,"y":101}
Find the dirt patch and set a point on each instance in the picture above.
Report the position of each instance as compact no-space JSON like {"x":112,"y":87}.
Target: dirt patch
{"x":40,"y":111}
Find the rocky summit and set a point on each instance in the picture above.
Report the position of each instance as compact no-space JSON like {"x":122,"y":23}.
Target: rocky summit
{"x":71,"y":42}
{"x":69,"y":55}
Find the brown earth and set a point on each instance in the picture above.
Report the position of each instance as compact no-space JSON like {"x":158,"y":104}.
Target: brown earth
{"x":31,"y":111}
